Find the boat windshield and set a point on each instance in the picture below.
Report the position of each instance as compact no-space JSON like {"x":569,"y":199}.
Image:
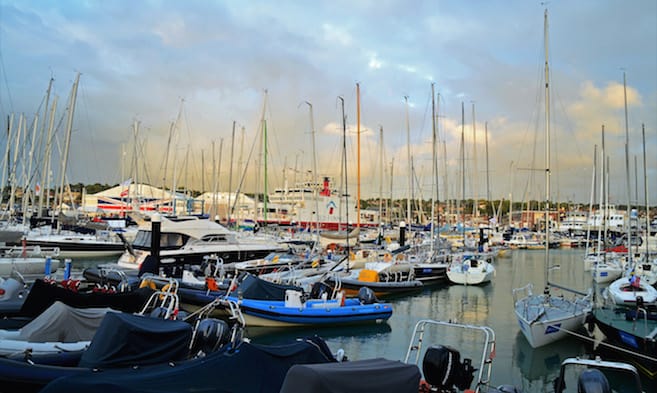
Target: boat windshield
{"x":168,"y":241}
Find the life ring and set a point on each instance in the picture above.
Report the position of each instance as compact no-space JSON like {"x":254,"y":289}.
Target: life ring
{"x":147,"y":283}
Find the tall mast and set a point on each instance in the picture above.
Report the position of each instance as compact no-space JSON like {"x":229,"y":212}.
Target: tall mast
{"x":358,"y":149}
{"x":645,"y":190}
{"x":380,"y":174}
{"x":264,"y":195}
{"x":315,"y":179}
{"x":392,"y":204}
{"x":344,"y":165}
{"x":45,"y":175}
{"x":69,"y":129}
{"x":475,"y":171}
{"x":488,"y":174}
{"x":434,"y":172}
{"x":462,"y":171}
{"x":547,"y":150}
{"x":230,"y":172}
{"x":627,"y":176}
{"x":214,"y":212}
{"x":408,"y":155}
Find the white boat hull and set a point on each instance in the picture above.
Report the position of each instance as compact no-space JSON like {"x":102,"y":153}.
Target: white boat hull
{"x":26,"y":266}
{"x":464,"y":274}
{"x":604,"y":273}
{"x":622,"y":292}
{"x":544,"y":321}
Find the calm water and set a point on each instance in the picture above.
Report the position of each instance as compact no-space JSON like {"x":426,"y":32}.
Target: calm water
{"x":515,"y":363}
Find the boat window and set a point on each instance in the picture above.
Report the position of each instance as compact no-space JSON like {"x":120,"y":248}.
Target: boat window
{"x":214,"y":238}
{"x":167,"y":240}
{"x":142,"y":240}
{"x":171,"y":240}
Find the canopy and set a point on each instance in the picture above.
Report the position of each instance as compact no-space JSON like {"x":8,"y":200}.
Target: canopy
{"x":249,"y":368}
{"x":62,"y":323}
{"x":127,"y":340}
{"x":42,"y":295}
{"x":363,"y":376}
{"x":255,"y":288}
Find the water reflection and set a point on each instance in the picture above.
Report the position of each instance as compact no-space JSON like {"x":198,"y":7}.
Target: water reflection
{"x":540,"y":366}
{"x":468,"y":304}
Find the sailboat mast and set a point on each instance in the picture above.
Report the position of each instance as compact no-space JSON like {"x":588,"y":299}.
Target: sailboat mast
{"x":547,"y":149}
{"x":344,"y":166}
{"x":462,"y":171}
{"x":434,"y":182}
{"x":264,"y":195}
{"x":475,"y":171}
{"x":230,"y":171}
{"x":645,"y":190}
{"x":488,"y":200}
{"x":381,"y":174}
{"x":46,"y":156}
{"x":315,"y":180}
{"x":69,"y":129}
{"x":358,"y":152}
{"x":408,"y":155}
{"x":627,"y":176}
{"x":45,"y":175}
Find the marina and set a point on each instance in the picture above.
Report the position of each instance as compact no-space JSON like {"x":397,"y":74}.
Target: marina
{"x":532,"y":369}
{"x":354,"y":230}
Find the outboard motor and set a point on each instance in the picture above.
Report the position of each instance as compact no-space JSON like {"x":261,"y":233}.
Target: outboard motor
{"x":211,"y":334}
{"x":443,"y":369}
{"x":593,"y":381}
{"x":366,"y":296}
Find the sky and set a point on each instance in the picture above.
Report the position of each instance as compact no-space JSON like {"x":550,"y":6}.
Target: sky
{"x":165,"y":81}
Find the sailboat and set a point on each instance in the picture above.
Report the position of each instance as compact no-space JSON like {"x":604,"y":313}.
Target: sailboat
{"x":545,"y":318}
{"x":630,"y":329}
{"x":631,"y":290}
{"x":468,"y":268}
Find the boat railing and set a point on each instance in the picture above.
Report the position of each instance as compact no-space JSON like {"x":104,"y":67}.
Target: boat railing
{"x":337,"y":287}
{"x":104,"y":273}
{"x":163,"y":301}
{"x":623,"y":371}
{"x":523,"y":292}
{"x":488,"y":347}
{"x":30,"y":251}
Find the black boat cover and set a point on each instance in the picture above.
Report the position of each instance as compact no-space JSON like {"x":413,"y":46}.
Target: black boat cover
{"x":42,"y":295}
{"x":124,"y":340}
{"x":253,"y":287}
{"x":249,"y":368}
{"x":362,"y":376}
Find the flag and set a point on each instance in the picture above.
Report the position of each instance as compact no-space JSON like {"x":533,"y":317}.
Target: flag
{"x":37,"y":189}
{"x":125,"y":187}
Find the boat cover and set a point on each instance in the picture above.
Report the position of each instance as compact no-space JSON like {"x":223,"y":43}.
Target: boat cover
{"x":249,"y":368}
{"x":43,"y":294}
{"x":370,"y":375}
{"x":256,"y":288}
{"x":62,"y":323}
{"x":125,"y":340}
